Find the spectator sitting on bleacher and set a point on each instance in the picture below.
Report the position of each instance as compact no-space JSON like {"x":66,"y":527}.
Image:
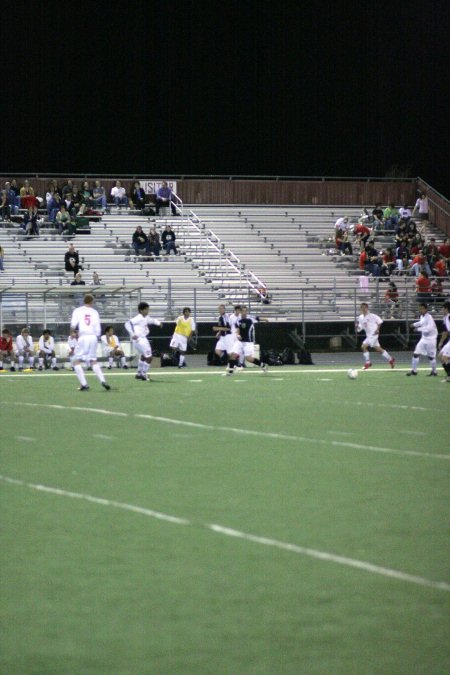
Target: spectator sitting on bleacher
{"x":401,"y":231}
{"x":402,"y":255}
{"x":423,"y":287}
{"x":98,"y":196}
{"x":96,"y":281}
{"x":78,"y":281}
{"x":5,"y":208}
{"x":64,"y":221}
{"x":15,"y":189}
{"x":30,"y":221}
{"x":137,"y":196}
{"x":440,"y":267}
{"x":431,"y":251}
{"x":391,"y":217}
{"x":154,"y":241}
{"x":342,"y":242}
{"x":369,"y":260}
{"x":86,"y":193}
{"x":68,"y":203}
{"x":437,"y":291}
{"x":377,"y":211}
{"x":444,"y":250}
{"x":168,"y":240}
{"x":78,"y":201}
{"x":419,"y":263}
{"x":164,"y":198}
{"x":67,"y":188}
{"x":72,"y":260}
{"x":119,"y":195}
{"x":391,"y":299}
{"x":13,"y":199}
{"x":140,"y":241}
{"x":388,"y":262}
{"x":342,"y":224}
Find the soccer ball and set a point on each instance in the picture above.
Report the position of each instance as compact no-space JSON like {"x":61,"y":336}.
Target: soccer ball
{"x":352,"y":374}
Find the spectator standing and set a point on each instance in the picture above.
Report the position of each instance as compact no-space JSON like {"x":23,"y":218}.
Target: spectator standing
{"x":30,"y":221}
{"x":2,"y":257}
{"x":421,"y":210}
{"x":168,"y":240}
{"x":164,"y":198}
{"x":119,"y":195}
{"x":427,"y":343}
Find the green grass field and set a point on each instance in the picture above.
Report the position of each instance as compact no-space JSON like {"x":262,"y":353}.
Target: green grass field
{"x":308,"y":530}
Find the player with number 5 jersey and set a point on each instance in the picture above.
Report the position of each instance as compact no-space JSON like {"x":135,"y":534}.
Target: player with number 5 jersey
{"x":87,"y":321}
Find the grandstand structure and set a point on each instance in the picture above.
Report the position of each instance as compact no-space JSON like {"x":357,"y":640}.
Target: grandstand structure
{"x":227,"y":254}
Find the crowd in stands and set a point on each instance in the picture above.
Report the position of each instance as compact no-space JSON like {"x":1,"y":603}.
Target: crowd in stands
{"x":411,"y":251}
{"x":64,"y":203}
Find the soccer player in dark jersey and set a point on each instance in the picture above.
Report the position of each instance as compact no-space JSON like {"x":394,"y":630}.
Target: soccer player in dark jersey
{"x":225,"y":338}
{"x":245,"y":343}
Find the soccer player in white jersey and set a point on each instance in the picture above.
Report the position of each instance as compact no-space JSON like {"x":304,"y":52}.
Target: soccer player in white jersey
{"x":234,"y":318}
{"x":427,"y":343}
{"x":112,"y":348}
{"x":244,"y":342}
{"x":184,"y":328}
{"x":223,"y":332}
{"x":47,"y":351}
{"x":24,"y":348}
{"x":137,"y":327}
{"x":444,"y":342}
{"x":370,"y":323}
{"x":87,"y":321}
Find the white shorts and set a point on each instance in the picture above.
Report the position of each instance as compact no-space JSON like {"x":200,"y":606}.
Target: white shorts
{"x":179,"y":342}
{"x":248,"y":348}
{"x":237,"y":347}
{"x":143,"y":347}
{"x":371,"y":341}
{"x":426,"y":347}
{"x":86,"y":348}
{"x":225,"y":343}
{"x":445,"y":351}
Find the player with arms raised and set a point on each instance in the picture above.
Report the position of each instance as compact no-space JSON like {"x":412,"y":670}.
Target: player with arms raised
{"x":86,"y":319}
{"x":138,"y":329}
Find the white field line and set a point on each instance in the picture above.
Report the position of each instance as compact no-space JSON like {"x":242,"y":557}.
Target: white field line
{"x":219,"y":529}
{"x":237,"y":430}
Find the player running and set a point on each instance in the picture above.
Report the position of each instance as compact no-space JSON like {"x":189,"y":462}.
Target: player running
{"x":371,"y":323}
{"x":444,"y":342}
{"x":138,"y":329}
{"x":184,"y":328}
{"x":427,"y":343}
{"x":244,"y":343}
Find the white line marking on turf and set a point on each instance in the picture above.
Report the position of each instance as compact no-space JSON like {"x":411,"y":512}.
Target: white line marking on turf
{"x":103,"y":437}
{"x":340,"y":433}
{"x":226,"y":531}
{"x":246,"y":432}
{"x":25,"y":438}
{"x":324,"y":379}
{"x":412,"y":433}
{"x":195,"y":380}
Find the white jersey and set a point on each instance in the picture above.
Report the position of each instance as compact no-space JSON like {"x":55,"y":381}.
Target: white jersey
{"x":72,"y":342}
{"x":426,"y":326}
{"x":23,"y":343}
{"x":446,"y":321}
{"x":47,"y":345}
{"x":342,"y":224}
{"x":139,"y":325}
{"x":369,"y":323}
{"x":233,"y":319}
{"x":87,"y":320}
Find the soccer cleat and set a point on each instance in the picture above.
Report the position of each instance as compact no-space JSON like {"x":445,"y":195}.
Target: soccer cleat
{"x":411,"y":372}
{"x":367,"y":365}
{"x":40,"y":368}
{"x":264,"y":367}
{"x":125,"y":367}
{"x":182,"y":365}
{"x":109,"y":367}
{"x":238,"y":369}
{"x":106,"y":386}
{"x":55,"y":368}
{"x":12,"y":369}
{"x":84,"y":387}
{"x":228,"y":372}
{"x":140,"y":376}
{"x":392,"y":362}
{"x":432,"y":374}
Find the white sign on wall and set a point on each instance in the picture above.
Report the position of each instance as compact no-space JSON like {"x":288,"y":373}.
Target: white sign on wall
{"x":151,"y":186}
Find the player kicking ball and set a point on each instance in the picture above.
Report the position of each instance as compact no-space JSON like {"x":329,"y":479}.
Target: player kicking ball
{"x":244,"y":343}
{"x":370,"y":323}
{"x":138,"y":330}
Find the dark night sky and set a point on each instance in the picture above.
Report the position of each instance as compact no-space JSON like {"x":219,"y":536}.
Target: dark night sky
{"x":228,"y":87}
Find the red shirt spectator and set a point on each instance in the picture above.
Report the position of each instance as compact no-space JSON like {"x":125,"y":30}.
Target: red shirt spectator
{"x":362,"y":260}
{"x":440,"y":268}
{"x":423,"y":284}
{"x":444,"y":249}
